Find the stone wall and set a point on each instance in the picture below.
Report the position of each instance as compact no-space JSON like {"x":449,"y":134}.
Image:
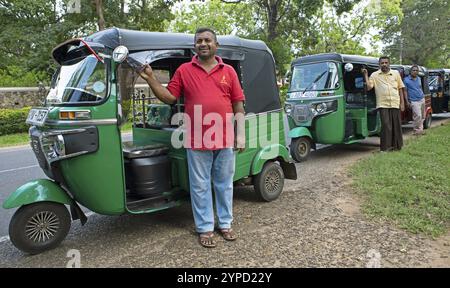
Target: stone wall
{"x":18,"y":97}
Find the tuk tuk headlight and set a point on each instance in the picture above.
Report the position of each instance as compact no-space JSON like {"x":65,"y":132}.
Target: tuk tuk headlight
{"x":53,"y":147}
{"x":321,"y":108}
{"x":324,"y":107}
{"x":288,"y":108}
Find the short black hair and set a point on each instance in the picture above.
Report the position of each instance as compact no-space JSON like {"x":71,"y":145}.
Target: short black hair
{"x":205,"y":29}
{"x":384,"y":57}
{"x":416,"y":66}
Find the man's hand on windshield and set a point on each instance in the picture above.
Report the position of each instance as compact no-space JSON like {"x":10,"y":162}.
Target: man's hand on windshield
{"x":147,"y":72}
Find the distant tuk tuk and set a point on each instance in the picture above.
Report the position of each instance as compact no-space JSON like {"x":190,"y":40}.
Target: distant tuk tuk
{"x":439,"y":85}
{"x":406,"y":115}
{"x":76,"y":136}
{"x":328,"y":102}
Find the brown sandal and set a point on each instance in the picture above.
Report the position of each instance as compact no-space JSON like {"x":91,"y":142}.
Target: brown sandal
{"x":207,"y":239}
{"x":228,"y":234}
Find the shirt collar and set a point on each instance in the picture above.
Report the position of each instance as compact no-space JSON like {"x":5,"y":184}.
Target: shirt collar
{"x":388,"y":73}
{"x":218,"y":59}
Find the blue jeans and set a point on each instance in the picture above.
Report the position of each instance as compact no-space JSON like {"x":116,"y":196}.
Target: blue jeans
{"x":218,"y":166}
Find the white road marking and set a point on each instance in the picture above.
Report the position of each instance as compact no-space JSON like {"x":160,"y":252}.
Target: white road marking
{"x":20,"y":168}
{"x":4,"y":239}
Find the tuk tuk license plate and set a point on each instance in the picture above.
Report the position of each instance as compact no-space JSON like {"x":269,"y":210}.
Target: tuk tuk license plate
{"x":37,"y":117}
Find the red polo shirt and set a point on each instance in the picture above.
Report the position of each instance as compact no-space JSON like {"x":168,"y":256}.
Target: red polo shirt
{"x":208,"y":99}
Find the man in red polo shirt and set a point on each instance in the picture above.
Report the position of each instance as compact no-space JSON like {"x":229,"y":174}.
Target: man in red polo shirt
{"x":212,"y":96}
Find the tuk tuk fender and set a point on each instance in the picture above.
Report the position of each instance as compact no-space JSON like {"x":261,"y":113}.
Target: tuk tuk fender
{"x":274,"y":151}
{"x":300,"y":132}
{"x":37,"y":191}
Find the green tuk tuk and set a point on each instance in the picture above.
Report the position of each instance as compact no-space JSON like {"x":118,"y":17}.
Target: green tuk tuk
{"x":439,"y":85}
{"x":328,"y":103}
{"x":406,"y":116}
{"x":77,"y":140}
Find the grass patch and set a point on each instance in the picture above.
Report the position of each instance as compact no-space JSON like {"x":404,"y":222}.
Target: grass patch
{"x":14,"y":139}
{"x":24,"y":139}
{"x":411,"y":187}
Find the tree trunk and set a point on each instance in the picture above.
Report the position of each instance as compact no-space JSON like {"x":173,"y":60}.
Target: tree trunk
{"x":272,"y":15}
{"x":101,"y":19}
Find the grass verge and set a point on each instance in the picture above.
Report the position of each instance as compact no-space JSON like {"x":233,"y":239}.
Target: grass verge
{"x":411,"y":187}
{"x":24,"y":139}
{"x":14,"y":139}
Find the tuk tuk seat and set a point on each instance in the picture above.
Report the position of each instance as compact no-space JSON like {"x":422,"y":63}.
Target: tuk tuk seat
{"x":131,"y":151}
{"x":159,"y":115}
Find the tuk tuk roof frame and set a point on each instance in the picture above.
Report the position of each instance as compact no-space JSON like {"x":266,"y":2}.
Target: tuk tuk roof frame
{"x":336,"y":57}
{"x":143,"y":40}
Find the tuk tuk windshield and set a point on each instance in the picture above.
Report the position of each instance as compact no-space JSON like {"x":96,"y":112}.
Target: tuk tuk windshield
{"x":317,"y":76}
{"x":84,"y":81}
{"x":433,"y":82}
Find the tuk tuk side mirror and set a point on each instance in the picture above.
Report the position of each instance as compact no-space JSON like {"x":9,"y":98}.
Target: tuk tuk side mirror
{"x":120,"y":53}
{"x":348,"y":67}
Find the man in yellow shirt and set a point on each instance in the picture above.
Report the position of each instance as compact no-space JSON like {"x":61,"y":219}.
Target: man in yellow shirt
{"x":390,"y":102}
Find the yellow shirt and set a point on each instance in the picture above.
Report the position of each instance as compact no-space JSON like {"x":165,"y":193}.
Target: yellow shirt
{"x":387,"y":87}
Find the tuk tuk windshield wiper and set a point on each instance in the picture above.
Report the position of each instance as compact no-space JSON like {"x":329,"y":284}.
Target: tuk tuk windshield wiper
{"x":315,"y":81}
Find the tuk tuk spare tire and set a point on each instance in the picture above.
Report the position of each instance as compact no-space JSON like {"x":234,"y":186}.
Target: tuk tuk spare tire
{"x":40,"y":226}
{"x":269,"y":182}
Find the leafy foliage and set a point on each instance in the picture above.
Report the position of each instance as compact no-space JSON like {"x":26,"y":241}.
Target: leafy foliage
{"x":13,"y":120}
{"x":422,"y":37}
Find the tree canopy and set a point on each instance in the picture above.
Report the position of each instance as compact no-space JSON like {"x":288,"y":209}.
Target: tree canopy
{"x":410,"y":31}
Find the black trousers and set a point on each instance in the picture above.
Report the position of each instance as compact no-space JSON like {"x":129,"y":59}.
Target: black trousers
{"x":391,"y":129}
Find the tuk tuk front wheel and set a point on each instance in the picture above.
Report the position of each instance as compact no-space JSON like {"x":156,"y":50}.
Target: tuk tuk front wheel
{"x":38,"y":227}
{"x":300,"y":148}
{"x":270,"y":182}
{"x":427,"y":121}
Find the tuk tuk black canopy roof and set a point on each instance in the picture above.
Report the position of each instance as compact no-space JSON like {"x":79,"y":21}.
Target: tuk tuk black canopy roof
{"x":444,"y":70}
{"x":256,"y":62}
{"x":407,"y":69}
{"x":143,"y":40}
{"x":336,"y":57}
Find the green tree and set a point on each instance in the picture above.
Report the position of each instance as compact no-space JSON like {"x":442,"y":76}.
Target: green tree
{"x":31,"y":28}
{"x":223,"y":18}
{"x":346,"y":32}
{"x":422,"y":36}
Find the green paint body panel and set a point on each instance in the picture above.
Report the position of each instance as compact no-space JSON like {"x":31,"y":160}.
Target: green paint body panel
{"x":330,"y":128}
{"x":37,"y":191}
{"x":299,"y":132}
{"x":267,"y":154}
{"x":249,"y":162}
{"x":96,"y":180}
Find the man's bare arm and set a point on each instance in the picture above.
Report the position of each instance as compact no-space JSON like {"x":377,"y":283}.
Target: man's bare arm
{"x":402,"y":99}
{"x":367,"y":80}
{"x":160,"y":91}
{"x":239,"y":113}
{"x":238,"y":107}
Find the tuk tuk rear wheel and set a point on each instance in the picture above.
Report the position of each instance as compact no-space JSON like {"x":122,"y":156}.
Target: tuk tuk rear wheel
{"x":38,"y":227}
{"x":300,"y":148}
{"x":427,"y":121}
{"x":269,"y":182}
